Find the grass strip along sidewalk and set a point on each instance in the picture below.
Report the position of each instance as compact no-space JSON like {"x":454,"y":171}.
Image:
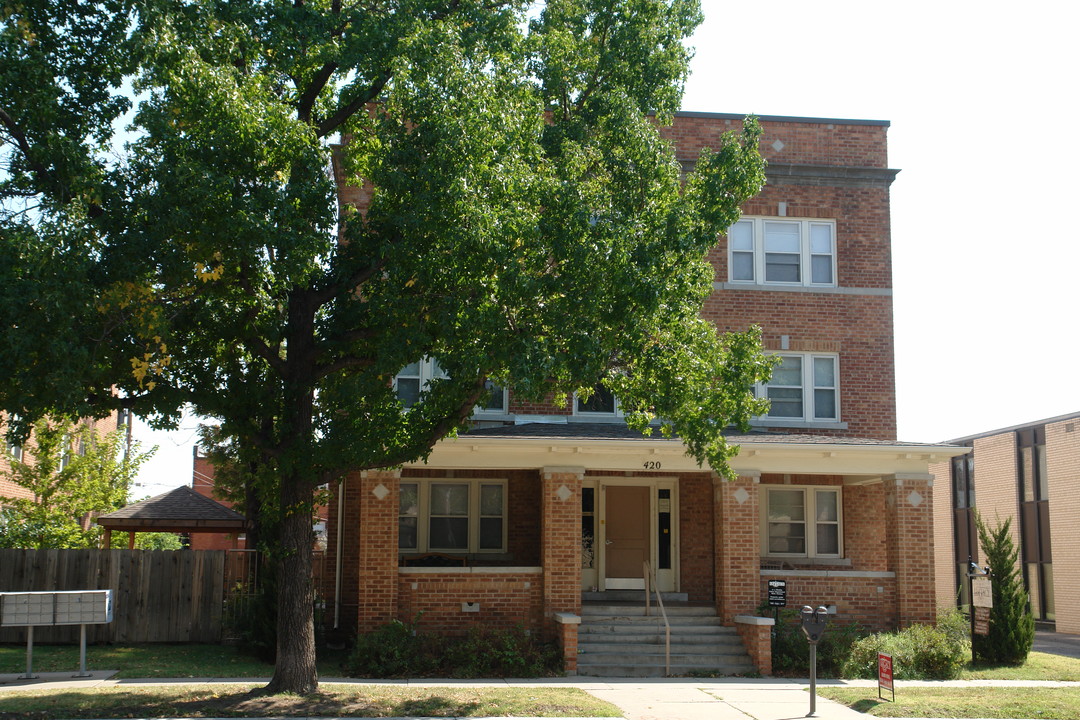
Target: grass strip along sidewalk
{"x":331,"y":701}
{"x":1052,"y":703}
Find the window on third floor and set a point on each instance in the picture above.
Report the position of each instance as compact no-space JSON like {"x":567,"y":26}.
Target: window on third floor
{"x":782,"y":251}
{"x":804,"y":387}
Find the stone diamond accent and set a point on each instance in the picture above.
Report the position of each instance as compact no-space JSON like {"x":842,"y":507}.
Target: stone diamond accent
{"x":564,"y":493}
{"x":741,"y":496}
{"x":915,"y":498}
{"x":778,"y":146}
{"x":380,"y":491}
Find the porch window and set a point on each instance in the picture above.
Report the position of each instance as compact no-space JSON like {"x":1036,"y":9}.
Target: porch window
{"x":803,"y":522}
{"x":452,"y":516}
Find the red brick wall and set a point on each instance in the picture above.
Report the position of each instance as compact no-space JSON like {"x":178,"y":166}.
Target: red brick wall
{"x":560,"y":553}
{"x":378,"y":553}
{"x":869,"y":601}
{"x":864,"y":531}
{"x":910,"y":536}
{"x":757,"y":639}
{"x":350,"y":566}
{"x":433,"y":598}
{"x":696,"y":537}
{"x":738,"y":547}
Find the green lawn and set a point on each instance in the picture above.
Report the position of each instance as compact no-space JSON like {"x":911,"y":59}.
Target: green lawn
{"x":951,"y":702}
{"x":154,"y":661}
{"x":331,"y":701}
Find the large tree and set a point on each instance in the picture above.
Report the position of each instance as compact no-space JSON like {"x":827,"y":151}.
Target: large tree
{"x":522,"y":222}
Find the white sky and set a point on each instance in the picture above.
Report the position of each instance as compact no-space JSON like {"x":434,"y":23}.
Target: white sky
{"x":981,"y":97}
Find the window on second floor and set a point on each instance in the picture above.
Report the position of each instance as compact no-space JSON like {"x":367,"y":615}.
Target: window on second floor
{"x":782,"y":251}
{"x":601,"y":402}
{"x":804,"y":387}
{"x":414,"y":378}
{"x":803,"y":522}
{"x":15,"y":451}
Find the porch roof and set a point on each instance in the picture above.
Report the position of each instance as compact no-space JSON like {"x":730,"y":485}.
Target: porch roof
{"x":615,"y":447}
{"x":178,"y":510}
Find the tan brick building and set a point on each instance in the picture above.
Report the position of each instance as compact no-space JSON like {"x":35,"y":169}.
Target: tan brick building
{"x":1028,"y":473}
{"x":539,"y":511}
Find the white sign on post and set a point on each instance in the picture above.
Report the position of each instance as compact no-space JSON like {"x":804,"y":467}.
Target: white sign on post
{"x":982,"y":593}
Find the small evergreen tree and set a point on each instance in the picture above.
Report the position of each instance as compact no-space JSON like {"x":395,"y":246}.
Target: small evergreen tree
{"x":1012,"y":628}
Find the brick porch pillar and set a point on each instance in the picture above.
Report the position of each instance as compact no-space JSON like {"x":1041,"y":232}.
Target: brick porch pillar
{"x":378,"y":549}
{"x":342,"y":576}
{"x":736,"y":539}
{"x":909,"y":541}
{"x":560,"y":540}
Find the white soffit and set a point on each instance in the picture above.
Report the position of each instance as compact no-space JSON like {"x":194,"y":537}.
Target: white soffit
{"x":670,"y":456}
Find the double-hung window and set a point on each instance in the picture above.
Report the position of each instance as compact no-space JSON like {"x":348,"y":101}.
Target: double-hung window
{"x":452,"y":516}
{"x":602,"y":402}
{"x":805,"y":388}
{"x":803,"y":522}
{"x":415,"y":377}
{"x":782,"y":251}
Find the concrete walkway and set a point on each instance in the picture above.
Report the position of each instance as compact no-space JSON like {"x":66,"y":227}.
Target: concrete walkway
{"x":638,"y":699}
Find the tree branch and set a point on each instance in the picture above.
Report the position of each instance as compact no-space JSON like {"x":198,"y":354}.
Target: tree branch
{"x":345,"y":363}
{"x":318,"y":82}
{"x":259,"y":348}
{"x":344,"y":113}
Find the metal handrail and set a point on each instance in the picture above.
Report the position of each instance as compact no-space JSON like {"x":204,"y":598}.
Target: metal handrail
{"x":650,"y":575}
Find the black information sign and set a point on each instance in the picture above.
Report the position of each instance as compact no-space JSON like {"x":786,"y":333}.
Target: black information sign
{"x":777,"y":593}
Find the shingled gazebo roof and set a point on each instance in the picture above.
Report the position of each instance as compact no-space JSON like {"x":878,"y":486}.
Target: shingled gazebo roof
{"x":181,"y":510}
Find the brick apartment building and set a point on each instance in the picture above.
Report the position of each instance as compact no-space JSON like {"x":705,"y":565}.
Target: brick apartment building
{"x":1027,"y":473}
{"x":538,"y":507}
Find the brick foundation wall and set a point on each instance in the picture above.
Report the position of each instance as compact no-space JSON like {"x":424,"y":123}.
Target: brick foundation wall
{"x":507,"y":598}
{"x":868,"y":598}
{"x":757,"y":639}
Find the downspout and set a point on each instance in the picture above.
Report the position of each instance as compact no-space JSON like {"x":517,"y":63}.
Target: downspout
{"x":337,"y":559}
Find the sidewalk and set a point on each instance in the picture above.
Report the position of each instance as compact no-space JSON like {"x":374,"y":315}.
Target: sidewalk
{"x":638,"y":699}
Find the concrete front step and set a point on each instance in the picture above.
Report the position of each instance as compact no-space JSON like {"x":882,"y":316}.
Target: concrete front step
{"x":619,"y":640}
{"x":632,"y":610}
{"x":634,"y":596}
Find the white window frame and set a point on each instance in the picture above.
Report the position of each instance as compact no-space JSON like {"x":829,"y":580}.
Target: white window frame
{"x":756,"y":248}
{"x":423,"y":514}
{"x":14,"y":451}
{"x":810,"y":520}
{"x":615,"y":413}
{"x":428,"y":370}
{"x":808,"y":389}
{"x":499,"y":390}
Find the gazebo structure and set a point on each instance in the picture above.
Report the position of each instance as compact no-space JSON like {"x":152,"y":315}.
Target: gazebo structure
{"x":181,"y":510}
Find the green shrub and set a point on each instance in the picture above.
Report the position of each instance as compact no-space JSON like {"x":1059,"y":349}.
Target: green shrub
{"x":791,"y":651}
{"x":399,"y":650}
{"x":919,"y":652}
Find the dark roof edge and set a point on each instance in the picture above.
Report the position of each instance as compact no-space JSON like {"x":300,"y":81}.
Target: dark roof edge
{"x":781,"y":118}
{"x":1014,"y":428}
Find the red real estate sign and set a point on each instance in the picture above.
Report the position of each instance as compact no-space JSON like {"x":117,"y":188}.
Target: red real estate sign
{"x":884,"y":674}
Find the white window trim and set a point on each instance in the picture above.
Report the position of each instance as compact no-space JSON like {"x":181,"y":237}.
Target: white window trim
{"x":808,"y":398}
{"x":616,"y":413}
{"x":429,"y":370}
{"x":809,"y":504}
{"x":757,"y":224}
{"x":423,"y":516}
{"x":500,"y":411}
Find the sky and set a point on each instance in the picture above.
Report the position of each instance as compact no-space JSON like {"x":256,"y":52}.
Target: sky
{"x":981,"y":101}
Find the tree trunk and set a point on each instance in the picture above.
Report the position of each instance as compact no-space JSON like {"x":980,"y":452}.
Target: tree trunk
{"x":295,"y":671}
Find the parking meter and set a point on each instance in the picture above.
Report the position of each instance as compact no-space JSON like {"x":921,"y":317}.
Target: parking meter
{"x":813,"y":622}
{"x":813,"y":626}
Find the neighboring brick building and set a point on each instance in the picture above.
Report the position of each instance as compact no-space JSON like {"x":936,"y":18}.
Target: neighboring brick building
{"x":1028,"y":473}
{"x":537,"y":503}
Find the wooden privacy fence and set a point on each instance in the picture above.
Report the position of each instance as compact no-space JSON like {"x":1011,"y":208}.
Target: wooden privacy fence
{"x":158,"y":595}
